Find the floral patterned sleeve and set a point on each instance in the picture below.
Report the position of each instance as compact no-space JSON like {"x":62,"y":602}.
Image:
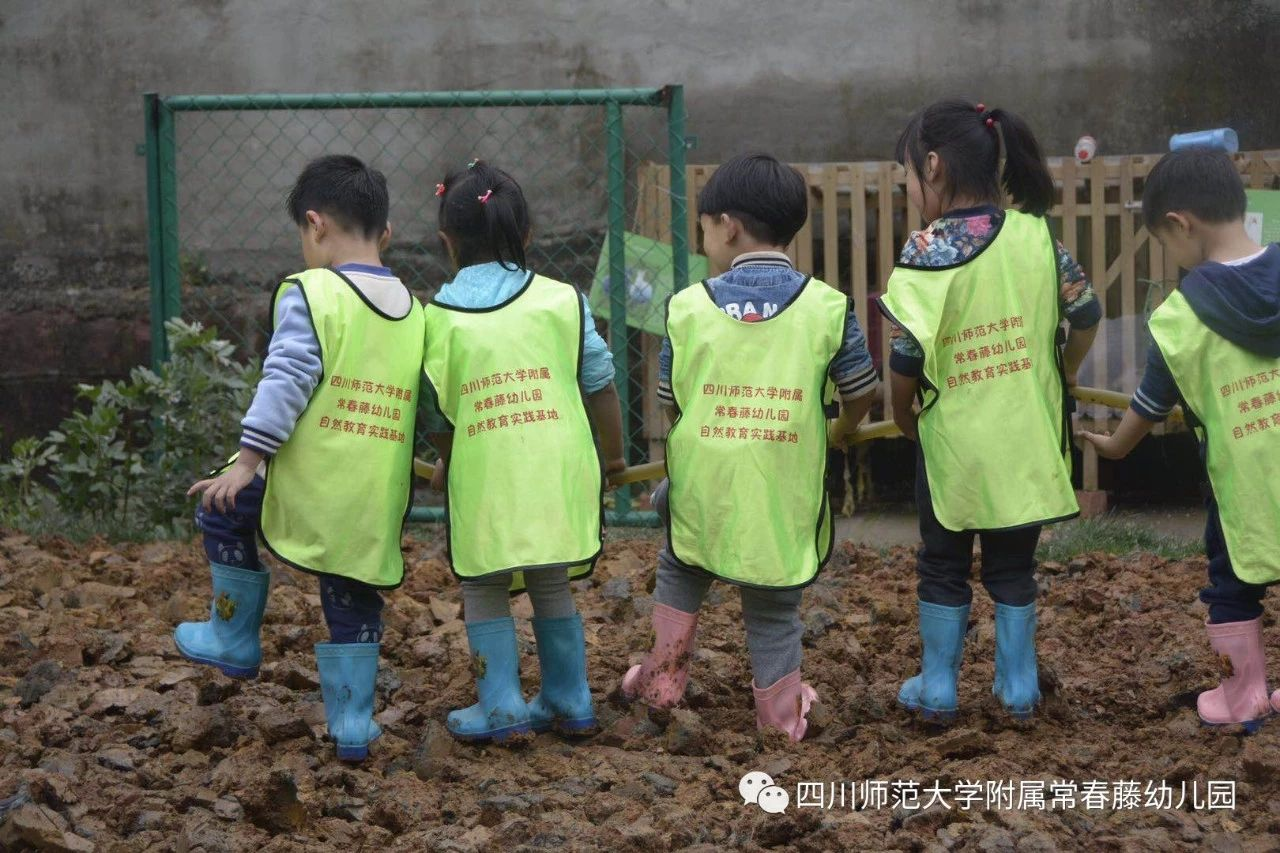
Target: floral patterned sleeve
{"x":1080,"y":305}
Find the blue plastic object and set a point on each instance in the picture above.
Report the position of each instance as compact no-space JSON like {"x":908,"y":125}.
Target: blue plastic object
{"x":1223,"y":138}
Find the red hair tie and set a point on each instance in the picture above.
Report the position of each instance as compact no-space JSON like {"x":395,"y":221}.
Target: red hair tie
{"x":982,"y":108}
{"x":484,"y":198}
{"x":439,"y":189}
{"x":991,"y":122}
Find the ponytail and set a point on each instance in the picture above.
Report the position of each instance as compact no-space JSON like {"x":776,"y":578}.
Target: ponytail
{"x":967,"y":139}
{"x":1026,"y":178}
{"x":483,"y":210}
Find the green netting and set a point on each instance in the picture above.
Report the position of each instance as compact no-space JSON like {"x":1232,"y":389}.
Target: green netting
{"x":219,"y":168}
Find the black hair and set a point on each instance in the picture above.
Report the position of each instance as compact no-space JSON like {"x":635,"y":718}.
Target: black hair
{"x":966,"y":138}
{"x":769,"y":198}
{"x":483,"y":211}
{"x":345,"y":188}
{"x":1201,"y":181}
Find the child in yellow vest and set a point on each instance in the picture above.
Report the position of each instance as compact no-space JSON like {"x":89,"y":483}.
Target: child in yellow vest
{"x":977,"y":299}
{"x":746,"y":360}
{"x":324,"y":470}
{"x":518,"y":376}
{"x":1216,"y":350}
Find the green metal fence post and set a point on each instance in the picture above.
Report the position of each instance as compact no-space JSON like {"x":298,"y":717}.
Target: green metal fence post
{"x":676,"y":148}
{"x":155,"y":247}
{"x":618,"y":337}
{"x":167,"y":175}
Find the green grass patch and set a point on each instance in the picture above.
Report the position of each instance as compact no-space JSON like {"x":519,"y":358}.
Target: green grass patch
{"x":1112,"y":535}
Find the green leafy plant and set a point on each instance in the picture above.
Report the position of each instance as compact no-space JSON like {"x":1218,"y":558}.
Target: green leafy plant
{"x":120,"y":466}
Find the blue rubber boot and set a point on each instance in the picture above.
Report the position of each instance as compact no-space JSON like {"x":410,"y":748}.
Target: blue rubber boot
{"x":501,"y":714}
{"x":564,"y":702}
{"x":1017,"y":683}
{"x":348,"y":672}
{"x":932,"y":693}
{"x":229,"y":640}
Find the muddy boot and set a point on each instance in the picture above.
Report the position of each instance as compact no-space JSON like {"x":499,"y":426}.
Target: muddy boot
{"x":564,"y":702}
{"x":501,"y":714}
{"x":660,"y":680}
{"x":932,"y":693}
{"x":784,"y":705}
{"x":229,"y":640}
{"x":348,"y":674}
{"x":1241,"y":698}
{"x":1017,"y":682}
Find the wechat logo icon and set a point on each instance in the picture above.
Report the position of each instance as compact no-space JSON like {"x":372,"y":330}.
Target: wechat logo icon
{"x":758,"y":788}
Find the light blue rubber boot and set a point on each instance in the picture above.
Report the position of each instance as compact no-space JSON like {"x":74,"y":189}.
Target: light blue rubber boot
{"x":1017,"y":683}
{"x":564,"y":702}
{"x":348,"y":672}
{"x":932,"y":693}
{"x":230,"y":639}
{"x":501,"y":714}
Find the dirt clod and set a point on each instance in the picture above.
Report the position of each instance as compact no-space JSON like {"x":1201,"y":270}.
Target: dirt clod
{"x":110,"y":741}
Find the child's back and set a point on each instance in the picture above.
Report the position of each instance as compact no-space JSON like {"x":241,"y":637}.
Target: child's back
{"x":324,"y":472}
{"x":517,"y":374}
{"x":745,"y":365}
{"x":1216,"y":350}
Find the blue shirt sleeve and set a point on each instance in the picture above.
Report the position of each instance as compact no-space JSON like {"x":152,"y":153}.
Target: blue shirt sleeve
{"x":1157,"y":393}
{"x":597,"y":361}
{"x":292,"y":369}
{"x":852,"y":370}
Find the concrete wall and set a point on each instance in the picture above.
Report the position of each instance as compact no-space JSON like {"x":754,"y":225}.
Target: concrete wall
{"x":810,"y":80}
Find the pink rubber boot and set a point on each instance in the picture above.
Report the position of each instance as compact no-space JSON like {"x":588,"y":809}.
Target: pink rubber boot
{"x":1241,"y":698}
{"x":785,"y":705}
{"x":1275,"y":701}
{"x":660,"y":680}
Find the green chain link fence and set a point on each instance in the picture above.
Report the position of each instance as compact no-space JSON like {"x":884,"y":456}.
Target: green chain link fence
{"x":219,"y":168}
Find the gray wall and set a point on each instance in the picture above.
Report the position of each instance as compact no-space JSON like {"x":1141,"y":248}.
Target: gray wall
{"x":810,"y":80}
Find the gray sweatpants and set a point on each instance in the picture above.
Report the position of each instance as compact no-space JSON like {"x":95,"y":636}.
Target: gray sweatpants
{"x":772,"y":616}
{"x":489,"y":597}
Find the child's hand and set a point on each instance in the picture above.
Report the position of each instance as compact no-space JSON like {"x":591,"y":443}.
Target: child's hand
{"x":220,"y":491}
{"x":836,"y":433}
{"x":438,"y":476}
{"x":1103,"y":442}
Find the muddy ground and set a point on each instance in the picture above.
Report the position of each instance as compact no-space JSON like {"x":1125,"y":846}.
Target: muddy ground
{"x":109,"y":741}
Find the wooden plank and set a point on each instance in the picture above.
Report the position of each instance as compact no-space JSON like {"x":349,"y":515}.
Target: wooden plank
{"x":831,"y":228}
{"x":1069,"y":221}
{"x":858,"y":240}
{"x":1128,"y":281}
{"x":654,"y":421}
{"x":1097,"y":264}
{"x":801,"y":248}
{"x":885,"y":258}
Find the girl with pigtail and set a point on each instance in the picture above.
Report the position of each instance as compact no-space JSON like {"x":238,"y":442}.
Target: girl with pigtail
{"x":519,"y":377}
{"x":979,"y":375}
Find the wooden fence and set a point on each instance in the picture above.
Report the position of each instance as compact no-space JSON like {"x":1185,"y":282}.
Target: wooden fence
{"x":859,"y":220}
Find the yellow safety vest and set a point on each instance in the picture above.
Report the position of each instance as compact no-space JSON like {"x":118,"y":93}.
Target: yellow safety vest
{"x":1234,"y":394}
{"x":525,"y":484}
{"x":747,"y":453}
{"x":993,"y":424}
{"x":339,"y":489}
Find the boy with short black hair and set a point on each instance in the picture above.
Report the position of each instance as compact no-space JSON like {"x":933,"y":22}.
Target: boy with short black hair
{"x":746,"y":360}
{"x":1217,"y":351}
{"x":324,"y":470}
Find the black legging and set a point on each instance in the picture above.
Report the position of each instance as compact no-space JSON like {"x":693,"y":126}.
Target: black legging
{"x":945,"y":560}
